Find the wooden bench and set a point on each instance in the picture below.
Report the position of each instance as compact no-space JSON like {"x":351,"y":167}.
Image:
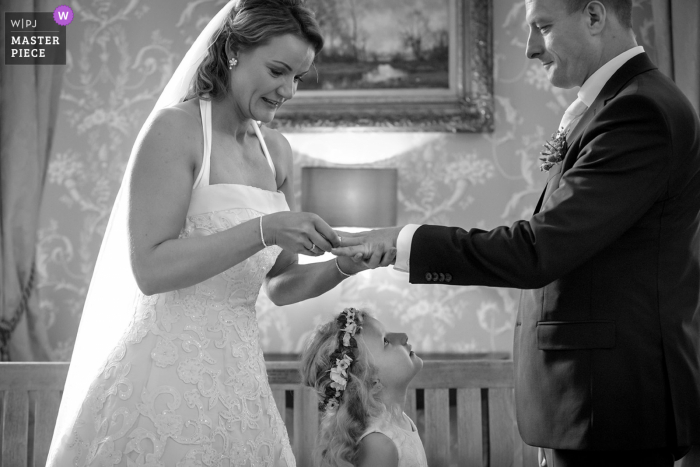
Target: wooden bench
{"x":464,"y":411}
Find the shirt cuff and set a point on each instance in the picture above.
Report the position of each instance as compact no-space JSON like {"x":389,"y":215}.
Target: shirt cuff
{"x":403,"y":247}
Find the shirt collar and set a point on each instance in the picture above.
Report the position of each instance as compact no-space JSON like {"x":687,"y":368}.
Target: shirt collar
{"x":594,"y":84}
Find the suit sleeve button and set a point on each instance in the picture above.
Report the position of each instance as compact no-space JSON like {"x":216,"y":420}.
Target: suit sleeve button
{"x":448,"y":277}
{"x":442,"y":277}
{"x":435,"y":277}
{"x":428,"y":276}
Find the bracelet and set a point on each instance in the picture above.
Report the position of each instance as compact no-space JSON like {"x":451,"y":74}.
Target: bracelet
{"x":340,"y":270}
{"x":261,"y":233}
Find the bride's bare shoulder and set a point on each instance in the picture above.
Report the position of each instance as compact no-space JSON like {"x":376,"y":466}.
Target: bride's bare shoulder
{"x":175,"y":130}
{"x":182,"y":116}
{"x":279,"y":147}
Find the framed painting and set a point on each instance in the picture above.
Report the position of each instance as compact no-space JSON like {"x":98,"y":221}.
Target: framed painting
{"x":398,"y":65}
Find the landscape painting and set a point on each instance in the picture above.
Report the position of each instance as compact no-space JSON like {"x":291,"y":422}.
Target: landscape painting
{"x":379,"y":44}
{"x":398,"y":65}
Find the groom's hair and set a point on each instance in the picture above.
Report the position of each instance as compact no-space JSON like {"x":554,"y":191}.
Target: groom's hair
{"x":621,"y":8}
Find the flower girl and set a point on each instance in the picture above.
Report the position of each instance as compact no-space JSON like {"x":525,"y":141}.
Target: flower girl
{"x":361,"y":373}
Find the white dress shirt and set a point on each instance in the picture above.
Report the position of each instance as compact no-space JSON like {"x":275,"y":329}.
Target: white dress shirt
{"x":588,"y":93}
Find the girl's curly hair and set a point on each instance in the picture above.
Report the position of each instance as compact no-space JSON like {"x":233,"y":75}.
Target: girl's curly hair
{"x":251,"y":23}
{"x":341,"y":428}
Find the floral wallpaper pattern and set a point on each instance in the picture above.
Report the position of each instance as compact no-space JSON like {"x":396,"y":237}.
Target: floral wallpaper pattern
{"x":121,"y":54}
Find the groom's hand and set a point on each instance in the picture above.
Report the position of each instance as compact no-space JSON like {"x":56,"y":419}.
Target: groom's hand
{"x":373,"y":247}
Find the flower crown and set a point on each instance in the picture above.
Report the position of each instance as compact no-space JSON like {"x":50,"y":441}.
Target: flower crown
{"x":349,"y":321}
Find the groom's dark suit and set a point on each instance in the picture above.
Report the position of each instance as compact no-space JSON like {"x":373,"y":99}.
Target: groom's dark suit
{"x":607,"y":339}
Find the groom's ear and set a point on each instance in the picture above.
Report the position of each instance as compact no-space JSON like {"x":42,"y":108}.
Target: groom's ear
{"x":596,"y":16}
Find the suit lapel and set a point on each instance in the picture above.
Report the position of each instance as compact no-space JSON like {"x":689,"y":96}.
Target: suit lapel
{"x":633,"y":67}
{"x":572,"y":141}
{"x":617,"y":82}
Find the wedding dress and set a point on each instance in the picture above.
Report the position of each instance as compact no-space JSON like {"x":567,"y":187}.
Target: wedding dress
{"x":186,"y":385}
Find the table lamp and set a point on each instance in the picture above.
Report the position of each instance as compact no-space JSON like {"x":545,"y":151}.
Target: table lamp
{"x":351,"y":197}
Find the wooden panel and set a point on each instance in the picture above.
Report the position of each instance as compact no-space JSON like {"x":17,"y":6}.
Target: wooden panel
{"x":305,"y":424}
{"x":435,"y":374}
{"x":47,"y":379}
{"x":465,"y":374}
{"x":470,"y":447}
{"x":523,"y":455}
{"x":15,"y":425}
{"x":33,"y":376}
{"x":437,"y":426}
{"x":283,"y":373}
{"x":45,"y":414}
{"x":502,"y":427}
{"x":280,"y":401}
{"x":410,"y":406}
{"x":529,"y":453}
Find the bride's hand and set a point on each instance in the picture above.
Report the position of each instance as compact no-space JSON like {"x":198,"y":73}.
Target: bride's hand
{"x":299,"y":232}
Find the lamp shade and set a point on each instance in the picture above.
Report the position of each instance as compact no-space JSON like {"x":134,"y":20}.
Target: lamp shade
{"x":350,"y":197}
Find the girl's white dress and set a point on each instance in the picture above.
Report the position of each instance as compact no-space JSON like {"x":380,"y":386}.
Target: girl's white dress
{"x":187,"y":386}
{"x":408,"y":443}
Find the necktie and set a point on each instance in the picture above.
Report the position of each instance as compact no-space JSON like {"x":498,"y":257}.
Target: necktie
{"x":572,"y":115}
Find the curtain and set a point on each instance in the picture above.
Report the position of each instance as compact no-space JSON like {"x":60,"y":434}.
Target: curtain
{"x":677,"y":43}
{"x":28,"y":107}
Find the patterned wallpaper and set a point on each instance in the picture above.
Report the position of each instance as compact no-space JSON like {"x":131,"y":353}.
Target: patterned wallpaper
{"x":121,"y":54}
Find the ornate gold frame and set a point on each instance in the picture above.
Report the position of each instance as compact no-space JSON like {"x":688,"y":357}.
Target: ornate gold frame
{"x":467,"y":106}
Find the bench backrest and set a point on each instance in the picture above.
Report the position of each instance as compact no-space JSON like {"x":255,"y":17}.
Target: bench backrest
{"x":464,"y":411}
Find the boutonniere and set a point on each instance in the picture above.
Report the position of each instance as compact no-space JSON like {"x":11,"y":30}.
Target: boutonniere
{"x":554,"y":151}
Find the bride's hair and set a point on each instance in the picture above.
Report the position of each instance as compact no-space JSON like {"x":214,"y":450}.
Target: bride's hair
{"x":341,"y":427}
{"x":251,"y":23}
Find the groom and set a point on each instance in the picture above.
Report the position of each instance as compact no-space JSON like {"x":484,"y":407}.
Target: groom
{"x":607,"y":338}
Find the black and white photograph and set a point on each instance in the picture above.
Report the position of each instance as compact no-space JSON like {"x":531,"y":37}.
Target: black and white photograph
{"x":350,"y":233}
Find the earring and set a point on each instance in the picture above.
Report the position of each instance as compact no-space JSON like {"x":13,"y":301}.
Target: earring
{"x":233,"y":61}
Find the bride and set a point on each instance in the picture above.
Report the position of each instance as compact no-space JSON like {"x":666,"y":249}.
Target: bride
{"x":167,"y":369}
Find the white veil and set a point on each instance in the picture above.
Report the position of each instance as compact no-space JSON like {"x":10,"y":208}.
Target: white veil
{"x":109,"y":304}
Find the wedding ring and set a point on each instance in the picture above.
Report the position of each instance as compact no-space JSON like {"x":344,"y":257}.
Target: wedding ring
{"x":340,"y":239}
{"x":313,"y":247}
